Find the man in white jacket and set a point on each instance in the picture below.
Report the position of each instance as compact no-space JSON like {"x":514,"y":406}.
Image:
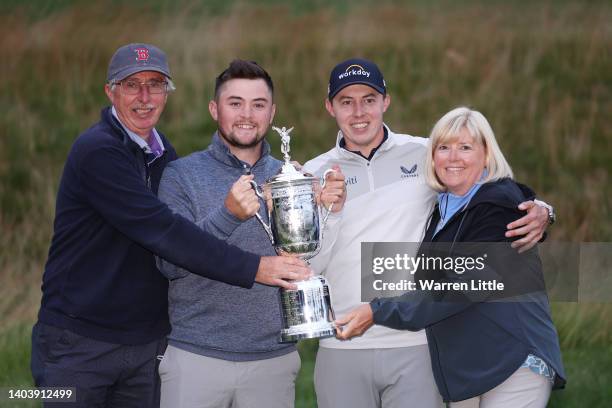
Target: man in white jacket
{"x":388,"y":200}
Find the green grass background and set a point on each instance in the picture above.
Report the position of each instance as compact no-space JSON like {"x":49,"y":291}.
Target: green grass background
{"x":540,"y":71}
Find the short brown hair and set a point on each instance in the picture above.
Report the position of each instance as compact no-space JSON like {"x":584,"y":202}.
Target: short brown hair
{"x":241,"y":69}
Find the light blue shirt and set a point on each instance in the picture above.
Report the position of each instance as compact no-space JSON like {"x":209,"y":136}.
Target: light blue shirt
{"x":449,"y":204}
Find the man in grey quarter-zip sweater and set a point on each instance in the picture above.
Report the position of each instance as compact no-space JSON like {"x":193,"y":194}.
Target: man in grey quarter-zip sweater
{"x":223,"y":348}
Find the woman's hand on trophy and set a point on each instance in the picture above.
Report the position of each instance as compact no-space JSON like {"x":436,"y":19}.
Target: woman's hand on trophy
{"x":241,"y":200}
{"x":334,"y":191}
{"x":355,"y":323}
{"x":279,"y":270}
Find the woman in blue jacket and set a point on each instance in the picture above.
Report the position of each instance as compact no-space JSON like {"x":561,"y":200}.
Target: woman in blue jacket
{"x":489,"y":347}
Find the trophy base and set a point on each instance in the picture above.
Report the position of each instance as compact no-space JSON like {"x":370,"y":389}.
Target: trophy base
{"x":290,"y":335}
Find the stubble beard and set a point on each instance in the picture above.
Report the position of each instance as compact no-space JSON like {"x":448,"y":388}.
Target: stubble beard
{"x":232,"y":140}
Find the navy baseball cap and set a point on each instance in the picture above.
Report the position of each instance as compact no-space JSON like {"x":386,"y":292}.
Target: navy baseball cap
{"x":137,"y":57}
{"x":355,"y":71}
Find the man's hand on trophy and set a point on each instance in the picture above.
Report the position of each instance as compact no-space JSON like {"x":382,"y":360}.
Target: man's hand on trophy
{"x":334,"y":191}
{"x":241,"y":200}
{"x":355,"y":323}
{"x":530,"y":228}
{"x":279,"y":270}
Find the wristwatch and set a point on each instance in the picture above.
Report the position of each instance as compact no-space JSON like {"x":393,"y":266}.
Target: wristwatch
{"x":551,"y":211}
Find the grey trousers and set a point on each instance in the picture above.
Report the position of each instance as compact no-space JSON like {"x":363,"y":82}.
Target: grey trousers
{"x":523,"y":389}
{"x":190,"y":380}
{"x":376,"y":378}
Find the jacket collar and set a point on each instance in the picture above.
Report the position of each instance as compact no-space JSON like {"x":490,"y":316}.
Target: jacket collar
{"x":503,"y":193}
{"x":387,"y":144}
{"x":106,"y":116}
{"x":117,"y":131}
{"x":136,"y":138}
{"x":219,"y":150}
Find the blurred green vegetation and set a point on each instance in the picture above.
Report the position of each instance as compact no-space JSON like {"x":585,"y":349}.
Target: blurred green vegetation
{"x":540,"y":71}
{"x":588,"y":369}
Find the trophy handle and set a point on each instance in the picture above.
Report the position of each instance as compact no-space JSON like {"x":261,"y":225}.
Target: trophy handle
{"x":267,"y":226}
{"x":326,"y":211}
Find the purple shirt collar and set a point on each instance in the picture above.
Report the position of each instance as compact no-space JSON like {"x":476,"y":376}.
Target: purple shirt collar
{"x":155,"y":145}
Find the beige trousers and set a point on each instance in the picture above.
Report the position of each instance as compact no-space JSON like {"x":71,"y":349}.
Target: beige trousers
{"x":190,"y":380}
{"x":376,"y":378}
{"x":523,"y":389}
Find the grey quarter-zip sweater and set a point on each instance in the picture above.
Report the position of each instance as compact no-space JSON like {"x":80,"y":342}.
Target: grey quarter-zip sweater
{"x":208,"y":317}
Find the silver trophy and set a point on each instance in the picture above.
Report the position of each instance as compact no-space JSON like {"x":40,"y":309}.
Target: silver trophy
{"x":295,"y":229}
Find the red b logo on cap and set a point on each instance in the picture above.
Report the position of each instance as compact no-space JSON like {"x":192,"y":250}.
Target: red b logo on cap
{"x":142,"y":54}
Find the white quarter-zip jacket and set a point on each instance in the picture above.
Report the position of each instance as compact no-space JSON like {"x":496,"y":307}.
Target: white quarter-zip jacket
{"x":388,"y":200}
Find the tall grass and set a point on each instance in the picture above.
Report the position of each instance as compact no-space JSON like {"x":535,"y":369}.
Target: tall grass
{"x":541,"y":72}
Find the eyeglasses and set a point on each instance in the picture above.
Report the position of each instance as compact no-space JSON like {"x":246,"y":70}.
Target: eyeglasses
{"x":133,"y":87}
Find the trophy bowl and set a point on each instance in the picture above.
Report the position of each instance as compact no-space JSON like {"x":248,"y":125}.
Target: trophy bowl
{"x":294,"y":216}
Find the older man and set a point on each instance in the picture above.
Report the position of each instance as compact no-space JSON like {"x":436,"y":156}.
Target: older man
{"x":387,"y":200}
{"x":103,"y":317}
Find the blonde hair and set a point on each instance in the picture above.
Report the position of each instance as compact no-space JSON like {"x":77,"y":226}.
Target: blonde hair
{"x":448,"y":128}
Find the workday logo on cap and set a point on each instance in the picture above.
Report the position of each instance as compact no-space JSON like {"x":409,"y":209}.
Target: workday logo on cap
{"x":355,"y":71}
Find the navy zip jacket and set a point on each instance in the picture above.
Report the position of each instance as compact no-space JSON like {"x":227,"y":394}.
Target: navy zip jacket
{"x":101,"y":280}
{"x":477,"y":345}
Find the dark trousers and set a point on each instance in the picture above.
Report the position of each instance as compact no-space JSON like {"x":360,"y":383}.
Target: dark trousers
{"x":104,"y":374}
